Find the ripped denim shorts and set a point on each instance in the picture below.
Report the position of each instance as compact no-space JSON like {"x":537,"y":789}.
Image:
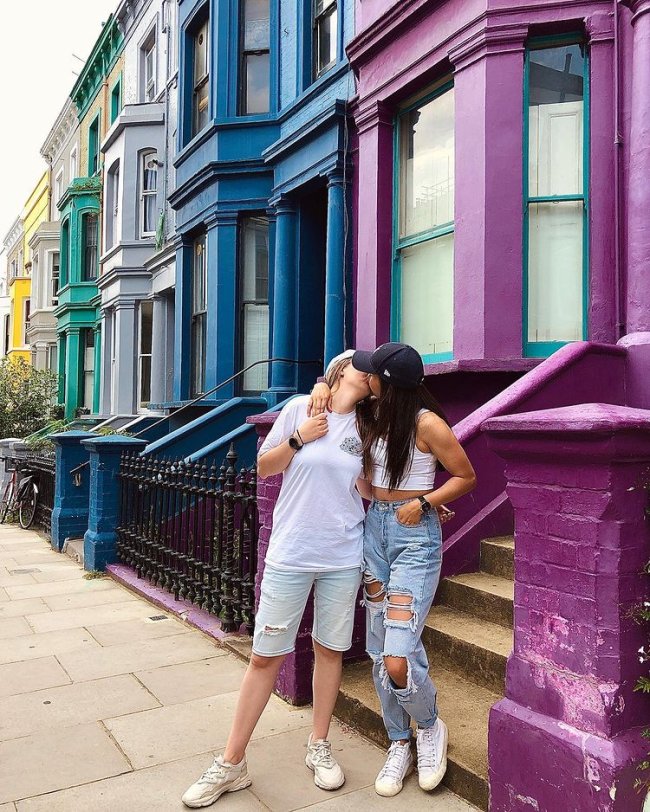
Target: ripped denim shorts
{"x":283,"y":598}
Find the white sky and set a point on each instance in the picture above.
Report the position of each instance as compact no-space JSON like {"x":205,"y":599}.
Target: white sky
{"x":37,"y":40}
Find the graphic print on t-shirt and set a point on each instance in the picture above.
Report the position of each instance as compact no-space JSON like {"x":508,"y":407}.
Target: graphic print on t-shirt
{"x":352,"y":445}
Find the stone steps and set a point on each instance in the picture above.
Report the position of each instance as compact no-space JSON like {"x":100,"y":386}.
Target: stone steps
{"x":468,"y":637}
{"x":463,"y":705}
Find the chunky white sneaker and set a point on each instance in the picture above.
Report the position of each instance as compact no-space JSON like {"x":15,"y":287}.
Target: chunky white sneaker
{"x":399,"y":763}
{"x":221,"y":777}
{"x":432,"y":754}
{"x":319,"y":759}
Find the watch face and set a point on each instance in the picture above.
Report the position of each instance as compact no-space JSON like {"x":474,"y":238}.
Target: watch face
{"x":294,"y":443}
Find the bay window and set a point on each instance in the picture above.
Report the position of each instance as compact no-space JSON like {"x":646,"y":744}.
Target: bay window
{"x":144,"y":353}
{"x":555,"y":190}
{"x":88,"y":366}
{"x":423,"y":282}
{"x":199,"y":316}
{"x":254,"y":308}
{"x":89,"y":233}
{"x":54,"y":279}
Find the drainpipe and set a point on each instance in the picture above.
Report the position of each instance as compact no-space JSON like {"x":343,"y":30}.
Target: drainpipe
{"x":167,"y":29}
{"x":618,"y":145}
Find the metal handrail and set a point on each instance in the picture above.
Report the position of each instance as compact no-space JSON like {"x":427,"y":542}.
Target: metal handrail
{"x":206,"y":394}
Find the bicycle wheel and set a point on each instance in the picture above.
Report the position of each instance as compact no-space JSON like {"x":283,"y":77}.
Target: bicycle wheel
{"x":27,"y":507}
{"x":7,"y":499}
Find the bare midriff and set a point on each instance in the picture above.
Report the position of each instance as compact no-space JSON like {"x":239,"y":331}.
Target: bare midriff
{"x":384,"y":495}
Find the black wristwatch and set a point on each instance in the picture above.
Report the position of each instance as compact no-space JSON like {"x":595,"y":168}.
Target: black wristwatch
{"x":295,"y":443}
{"x":425,"y":506}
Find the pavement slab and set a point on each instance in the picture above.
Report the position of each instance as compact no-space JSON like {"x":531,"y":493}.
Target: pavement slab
{"x":156,"y":789}
{"x":198,"y":726}
{"x":83,"y":753}
{"x":29,"y":606}
{"x":34,"y":590}
{"x":31,"y":646}
{"x":31,"y":675}
{"x":87,"y":616}
{"x":14,"y":627}
{"x":174,"y":684}
{"x":71,"y":705}
{"x":129,"y":631}
{"x":94,"y":597}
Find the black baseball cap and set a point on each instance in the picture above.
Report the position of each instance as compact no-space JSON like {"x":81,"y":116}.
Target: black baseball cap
{"x":397,"y":364}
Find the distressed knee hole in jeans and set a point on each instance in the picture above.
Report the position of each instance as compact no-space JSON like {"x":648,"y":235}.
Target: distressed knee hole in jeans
{"x":387,"y":681}
{"x":400,"y":612}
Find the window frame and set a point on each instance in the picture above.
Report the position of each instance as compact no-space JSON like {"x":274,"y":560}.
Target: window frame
{"x":197,"y":84}
{"x":542,"y":349}
{"x":443,"y":230}
{"x":201,"y":314}
{"x":149,"y":46}
{"x":93,"y":140}
{"x":27,"y":314}
{"x":242,"y":86}
{"x":141,"y":405}
{"x":317,"y":17}
{"x":58,"y":191}
{"x":73,"y":163}
{"x":85,"y":277}
{"x":242,"y":302}
{"x":116,"y":99}
{"x":144,"y":194}
{"x":53,"y":290}
{"x":112,"y":229}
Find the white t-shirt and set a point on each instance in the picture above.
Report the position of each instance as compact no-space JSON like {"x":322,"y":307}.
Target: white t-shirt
{"x":318,"y":518}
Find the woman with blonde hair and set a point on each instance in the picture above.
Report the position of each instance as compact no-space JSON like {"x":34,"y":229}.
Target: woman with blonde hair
{"x":316,"y":541}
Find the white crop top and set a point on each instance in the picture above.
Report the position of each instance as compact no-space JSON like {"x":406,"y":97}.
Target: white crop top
{"x":418,"y":475}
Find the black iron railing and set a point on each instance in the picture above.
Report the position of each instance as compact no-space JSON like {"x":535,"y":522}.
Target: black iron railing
{"x":192,"y":530}
{"x":43,"y":469}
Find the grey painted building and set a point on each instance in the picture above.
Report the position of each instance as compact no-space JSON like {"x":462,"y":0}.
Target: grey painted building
{"x":137,"y":277}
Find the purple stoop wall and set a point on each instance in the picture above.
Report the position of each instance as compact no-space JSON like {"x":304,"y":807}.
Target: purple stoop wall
{"x":567,"y":735}
{"x":578,"y":373}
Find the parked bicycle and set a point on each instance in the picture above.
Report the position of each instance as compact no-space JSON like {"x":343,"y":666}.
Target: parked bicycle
{"x":20,"y":497}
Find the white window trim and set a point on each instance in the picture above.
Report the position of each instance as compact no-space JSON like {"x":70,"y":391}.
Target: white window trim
{"x":50,"y":279}
{"x":148,"y":43}
{"x":58,"y":191}
{"x":144,"y":156}
{"x":142,"y":355}
{"x":73,"y":163}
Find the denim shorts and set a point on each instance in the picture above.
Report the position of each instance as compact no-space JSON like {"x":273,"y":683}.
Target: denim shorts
{"x":282,"y":604}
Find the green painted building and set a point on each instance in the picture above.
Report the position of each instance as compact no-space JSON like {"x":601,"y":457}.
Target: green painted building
{"x":77,"y":313}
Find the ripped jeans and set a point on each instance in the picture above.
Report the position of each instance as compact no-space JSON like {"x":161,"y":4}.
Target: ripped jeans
{"x":403,"y":563}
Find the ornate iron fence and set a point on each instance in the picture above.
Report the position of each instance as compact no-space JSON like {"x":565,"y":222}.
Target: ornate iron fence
{"x":43,"y":468}
{"x":192,"y":530}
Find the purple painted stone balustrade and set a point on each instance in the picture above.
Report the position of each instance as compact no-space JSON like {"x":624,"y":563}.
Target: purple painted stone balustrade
{"x":294,"y":679}
{"x":567,"y":734}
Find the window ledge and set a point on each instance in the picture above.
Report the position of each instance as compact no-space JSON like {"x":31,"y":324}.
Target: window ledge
{"x":482,"y":365}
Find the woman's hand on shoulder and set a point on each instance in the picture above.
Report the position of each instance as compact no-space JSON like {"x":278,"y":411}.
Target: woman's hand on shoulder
{"x":313,"y":428}
{"x":319,"y":400}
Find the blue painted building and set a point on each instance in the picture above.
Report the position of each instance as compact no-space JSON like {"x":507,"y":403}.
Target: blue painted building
{"x":262,"y":195}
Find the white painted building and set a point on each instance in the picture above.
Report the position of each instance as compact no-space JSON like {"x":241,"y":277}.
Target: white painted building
{"x":61,"y":152}
{"x":137,"y":276}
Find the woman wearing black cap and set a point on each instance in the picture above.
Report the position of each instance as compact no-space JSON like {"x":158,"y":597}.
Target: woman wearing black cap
{"x":402,"y":444}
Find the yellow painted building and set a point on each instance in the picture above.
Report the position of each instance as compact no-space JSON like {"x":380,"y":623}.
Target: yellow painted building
{"x":20,"y":274}
{"x":99,"y":111}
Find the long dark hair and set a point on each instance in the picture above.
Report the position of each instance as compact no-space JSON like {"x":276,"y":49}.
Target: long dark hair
{"x":393,"y":418}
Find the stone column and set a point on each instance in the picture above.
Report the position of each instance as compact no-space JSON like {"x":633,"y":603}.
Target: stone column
{"x":638,"y":198}
{"x":159,"y":350}
{"x":284,"y":299}
{"x":602,"y":316}
{"x":100,"y":539}
{"x":98,"y":369}
{"x":223,"y":297}
{"x":70,"y":512}
{"x":72,"y":396}
{"x":567,"y":734}
{"x":126,"y":351}
{"x":335,"y":267}
{"x":374,"y":191}
{"x":488,"y":282}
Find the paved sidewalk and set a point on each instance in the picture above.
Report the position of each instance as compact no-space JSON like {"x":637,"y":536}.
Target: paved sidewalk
{"x":107,"y":703}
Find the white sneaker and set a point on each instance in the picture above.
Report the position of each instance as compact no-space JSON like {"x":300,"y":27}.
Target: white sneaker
{"x":432,"y":754}
{"x":221,"y":777}
{"x":399,"y":763}
{"x":327,"y":773}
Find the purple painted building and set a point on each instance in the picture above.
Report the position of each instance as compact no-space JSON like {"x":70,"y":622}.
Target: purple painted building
{"x":501,"y":221}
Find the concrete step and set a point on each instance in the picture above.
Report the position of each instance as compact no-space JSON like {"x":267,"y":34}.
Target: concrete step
{"x":476,"y":649}
{"x":498,"y":556}
{"x":479,"y":594}
{"x":463,"y":705}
